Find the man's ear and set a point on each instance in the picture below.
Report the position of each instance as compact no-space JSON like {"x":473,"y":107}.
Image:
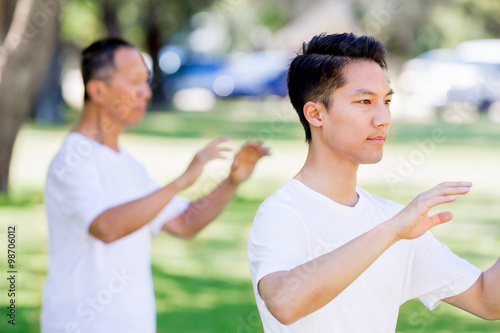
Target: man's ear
{"x":312,"y":113}
{"x":96,"y":89}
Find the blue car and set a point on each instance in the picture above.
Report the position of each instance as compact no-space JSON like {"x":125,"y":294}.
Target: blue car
{"x":258,"y":74}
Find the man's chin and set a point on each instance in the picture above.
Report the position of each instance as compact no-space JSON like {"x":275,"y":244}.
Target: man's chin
{"x":373,"y":159}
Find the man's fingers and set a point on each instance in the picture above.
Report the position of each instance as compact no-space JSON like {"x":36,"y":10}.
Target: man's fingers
{"x":440,"y":218}
{"x":217,"y":153}
{"x":455,"y":184}
{"x":453,"y":190}
{"x":443,"y":190}
{"x":218,"y":141}
{"x":425,"y":204}
{"x":214,"y":151}
{"x":210,"y":153}
{"x":221,"y":149}
{"x":264,"y":151}
{"x":255,"y":147}
{"x":252,"y":143}
{"x":440,"y":200}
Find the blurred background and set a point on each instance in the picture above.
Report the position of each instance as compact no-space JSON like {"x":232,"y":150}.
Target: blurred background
{"x":218,"y":68}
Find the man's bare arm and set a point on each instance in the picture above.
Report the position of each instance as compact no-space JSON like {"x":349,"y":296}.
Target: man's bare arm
{"x":327,"y":276}
{"x":483,"y":298}
{"x":126,"y":218}
{"x":204,"y":210}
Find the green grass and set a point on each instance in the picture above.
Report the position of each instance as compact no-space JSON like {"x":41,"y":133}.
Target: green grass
{"x":24,"y":198}
{"x":203,"y":285}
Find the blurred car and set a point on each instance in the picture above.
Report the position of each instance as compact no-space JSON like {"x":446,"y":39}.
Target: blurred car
{"x":465,"y":79}
{"x":257,"y":74}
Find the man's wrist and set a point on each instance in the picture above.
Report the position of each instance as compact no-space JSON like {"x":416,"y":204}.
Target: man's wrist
{"x":388,"y":231}
{"x":178,"y":184}
{"x":230,"y":181}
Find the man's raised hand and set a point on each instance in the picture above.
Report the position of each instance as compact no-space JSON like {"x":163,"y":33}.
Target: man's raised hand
{"x":210,"y":152}
{"x":413,"y":220}
{"x":245,"y":161}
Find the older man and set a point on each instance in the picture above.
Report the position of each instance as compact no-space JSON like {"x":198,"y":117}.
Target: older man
{"x":103,"y":207}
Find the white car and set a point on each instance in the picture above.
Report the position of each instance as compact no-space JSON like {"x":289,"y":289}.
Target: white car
{"x":461,"y":82}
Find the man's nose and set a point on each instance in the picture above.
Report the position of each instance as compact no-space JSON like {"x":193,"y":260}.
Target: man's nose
{"x":382,"y":116}
{"x":144,"y":92}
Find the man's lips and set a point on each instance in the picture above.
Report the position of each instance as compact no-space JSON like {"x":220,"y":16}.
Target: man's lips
{"x":377,"y":139}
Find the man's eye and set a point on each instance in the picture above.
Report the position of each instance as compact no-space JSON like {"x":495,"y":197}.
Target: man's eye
{"x":365,"y":101}
{"x":388,"y":102}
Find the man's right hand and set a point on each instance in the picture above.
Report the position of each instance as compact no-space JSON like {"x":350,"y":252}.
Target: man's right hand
{"x":413,"y":220}
{"x":193,"y":171}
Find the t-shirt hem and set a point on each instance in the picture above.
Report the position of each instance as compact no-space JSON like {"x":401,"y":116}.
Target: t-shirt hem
{"x":263,"y":273}
{"x":174,"y":208}
{"x":460,"y":285}
{"x":87,"y":220}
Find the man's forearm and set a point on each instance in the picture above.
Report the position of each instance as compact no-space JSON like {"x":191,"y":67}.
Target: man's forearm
{"x":126,"y":218}
{"x":491,"y":288}
{"x":204,"y":210}
{"x":305,"y":289}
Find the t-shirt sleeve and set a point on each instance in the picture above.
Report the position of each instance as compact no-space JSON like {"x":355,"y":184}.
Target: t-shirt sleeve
{"x":175,"y":207}
{"x":438,"y":273}
{"x":277,"y":241}
{"x":77,"y":193}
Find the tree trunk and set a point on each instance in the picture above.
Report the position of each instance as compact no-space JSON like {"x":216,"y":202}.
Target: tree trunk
{"x":6,"y":14}
{"x":109,"y":9}
{"x":28,"y":47}
{"x":154,"y":44}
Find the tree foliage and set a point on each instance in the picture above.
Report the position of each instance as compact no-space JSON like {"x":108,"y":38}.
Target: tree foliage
{"x":411,"y":27}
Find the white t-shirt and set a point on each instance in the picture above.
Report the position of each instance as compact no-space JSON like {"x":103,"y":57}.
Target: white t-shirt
{"x":93,"y":286}
{"x":297,"y":224}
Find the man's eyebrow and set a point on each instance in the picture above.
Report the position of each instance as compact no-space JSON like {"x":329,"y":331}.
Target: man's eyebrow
{"x":363,"y":91}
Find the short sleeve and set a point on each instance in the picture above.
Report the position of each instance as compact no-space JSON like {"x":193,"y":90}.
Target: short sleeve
{"x":175,"y":207}
{"x":277,"y":241}
{"x":438,"y":273}
{"x":77,"y":193}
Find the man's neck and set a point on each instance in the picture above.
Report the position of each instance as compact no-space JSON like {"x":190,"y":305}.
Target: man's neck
{"x":96,"y":125}
{"x":331,"y":176}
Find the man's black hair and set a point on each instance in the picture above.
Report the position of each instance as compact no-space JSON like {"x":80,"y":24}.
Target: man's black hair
{"x":316,"y":72}
{"x":97,"y":59}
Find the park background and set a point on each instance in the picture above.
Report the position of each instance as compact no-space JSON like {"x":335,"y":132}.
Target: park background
{"x":203,"y":285}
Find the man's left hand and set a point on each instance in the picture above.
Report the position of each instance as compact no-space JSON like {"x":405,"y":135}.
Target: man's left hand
{"x":245,"y":161}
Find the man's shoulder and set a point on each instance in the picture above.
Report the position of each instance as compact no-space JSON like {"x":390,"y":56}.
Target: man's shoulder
{"x":287,"y":203}
{"x":75,"y":149}
{"x":76,"y":154}
{"x":286,"y":195}
{"x":281,"y":213}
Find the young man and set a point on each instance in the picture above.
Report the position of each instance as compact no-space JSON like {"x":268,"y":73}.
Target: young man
{"x":324,"y":254}
{"x":103,"y":207}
